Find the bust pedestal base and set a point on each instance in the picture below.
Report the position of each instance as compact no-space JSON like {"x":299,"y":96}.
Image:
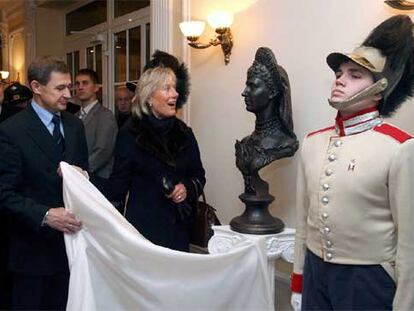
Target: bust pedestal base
{"x":280,"y":245}
{"x":256,"y":218}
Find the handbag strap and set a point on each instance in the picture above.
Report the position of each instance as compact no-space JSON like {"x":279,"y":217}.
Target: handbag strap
{"x":198,"y":185}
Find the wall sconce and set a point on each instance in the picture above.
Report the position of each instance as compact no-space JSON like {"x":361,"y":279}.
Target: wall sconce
{"x":400,"y":4}
{"x":221,"y":22}
{"x":4,"y":75}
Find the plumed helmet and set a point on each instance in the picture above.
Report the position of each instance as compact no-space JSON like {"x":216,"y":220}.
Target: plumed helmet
{"x":17,"y":93}
{"x":388,"y":52}
{"x":160,"y":58}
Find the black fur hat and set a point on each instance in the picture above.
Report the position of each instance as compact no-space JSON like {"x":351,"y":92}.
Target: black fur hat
{"x":394,"y":38}
{"x":387,"y":52}
{"x":160,"y":58}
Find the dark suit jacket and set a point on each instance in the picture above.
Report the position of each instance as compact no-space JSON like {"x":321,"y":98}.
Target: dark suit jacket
{"x":30,"y":185}
{"x":101,"y":130}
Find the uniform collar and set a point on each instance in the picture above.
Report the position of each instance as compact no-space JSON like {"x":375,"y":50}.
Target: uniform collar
{"x":361,"y":121}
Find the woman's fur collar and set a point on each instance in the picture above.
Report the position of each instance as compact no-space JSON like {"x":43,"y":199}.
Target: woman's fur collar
{"x":165,"y":148}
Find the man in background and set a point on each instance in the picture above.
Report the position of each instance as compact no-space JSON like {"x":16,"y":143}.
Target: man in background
{"x":100,"y":125}
{"x":123,"y":103}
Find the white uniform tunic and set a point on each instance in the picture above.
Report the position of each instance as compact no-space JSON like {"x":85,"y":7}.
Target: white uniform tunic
{"x":355,"y":200}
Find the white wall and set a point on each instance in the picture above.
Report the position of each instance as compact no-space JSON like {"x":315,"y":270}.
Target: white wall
{"x":301,"y":33}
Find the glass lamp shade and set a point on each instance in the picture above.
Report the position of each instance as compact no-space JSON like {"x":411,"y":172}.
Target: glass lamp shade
{"x":220,"y":19}
{"x":4,"y":74}
{"x":192,"y":28}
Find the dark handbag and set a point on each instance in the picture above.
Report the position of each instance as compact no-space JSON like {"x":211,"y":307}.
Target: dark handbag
{"x":204,"y":218}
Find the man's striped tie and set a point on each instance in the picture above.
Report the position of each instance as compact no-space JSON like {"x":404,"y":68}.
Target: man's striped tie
{"x":57,"y":135}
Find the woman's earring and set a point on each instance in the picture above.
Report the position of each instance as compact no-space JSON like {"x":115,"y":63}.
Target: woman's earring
{"x":150,"y":104}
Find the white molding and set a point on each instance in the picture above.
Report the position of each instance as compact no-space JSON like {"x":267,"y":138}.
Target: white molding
{"x":4,"y":33}
{"x":30,"y":32}
{"x":12,"y":37}
{"x":186,"y":16}
{"x":161,"y":24}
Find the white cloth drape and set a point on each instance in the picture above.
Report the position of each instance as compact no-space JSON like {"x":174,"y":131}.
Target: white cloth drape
{"x":113,"y":267}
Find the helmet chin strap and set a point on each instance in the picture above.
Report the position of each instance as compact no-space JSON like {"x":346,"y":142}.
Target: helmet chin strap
{"x":372,"y":90}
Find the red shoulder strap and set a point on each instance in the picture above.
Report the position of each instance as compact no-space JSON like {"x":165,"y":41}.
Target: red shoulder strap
{"x":321,"y":131}
{"x":392,"y":131}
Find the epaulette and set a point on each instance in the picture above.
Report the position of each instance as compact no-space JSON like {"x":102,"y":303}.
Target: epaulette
{"x":392,"y":131}
{"x":321,"y":131}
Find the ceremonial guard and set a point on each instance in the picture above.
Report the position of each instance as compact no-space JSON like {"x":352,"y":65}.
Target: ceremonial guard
{"x":355,"y":240}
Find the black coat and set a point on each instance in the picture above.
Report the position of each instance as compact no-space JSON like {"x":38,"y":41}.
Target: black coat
{"x":142,"y":158}
{"x":30,"y":185}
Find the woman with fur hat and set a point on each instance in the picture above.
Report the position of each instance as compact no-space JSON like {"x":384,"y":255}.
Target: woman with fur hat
{"x":154,"y":146}
{"x":354,"y":245}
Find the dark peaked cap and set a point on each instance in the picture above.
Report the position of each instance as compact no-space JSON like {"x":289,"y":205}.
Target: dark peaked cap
{"x":160,"y":58}
{"x":17,"y":93}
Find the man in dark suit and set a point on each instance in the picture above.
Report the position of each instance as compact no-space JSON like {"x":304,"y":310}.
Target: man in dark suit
{"x":100,"y":124}
{"x":32,"y":143}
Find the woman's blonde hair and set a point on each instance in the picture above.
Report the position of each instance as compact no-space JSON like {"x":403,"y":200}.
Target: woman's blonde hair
{"x":151,"y":80}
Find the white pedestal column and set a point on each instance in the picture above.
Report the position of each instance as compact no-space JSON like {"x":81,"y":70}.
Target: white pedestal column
{"x":280,"y":245}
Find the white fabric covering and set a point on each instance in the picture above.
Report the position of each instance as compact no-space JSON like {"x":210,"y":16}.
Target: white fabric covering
{"x":113,"y":267}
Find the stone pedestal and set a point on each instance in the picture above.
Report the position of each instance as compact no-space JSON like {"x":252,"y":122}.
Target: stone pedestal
{"x":279,"y":245}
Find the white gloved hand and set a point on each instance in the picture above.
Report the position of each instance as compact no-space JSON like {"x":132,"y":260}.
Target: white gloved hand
{"x":296,"y":301}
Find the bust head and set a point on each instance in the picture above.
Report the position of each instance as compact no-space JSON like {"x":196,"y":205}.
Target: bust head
{"x":267,"y":91}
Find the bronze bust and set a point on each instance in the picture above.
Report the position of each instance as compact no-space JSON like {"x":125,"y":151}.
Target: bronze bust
{"x":267,"y":95}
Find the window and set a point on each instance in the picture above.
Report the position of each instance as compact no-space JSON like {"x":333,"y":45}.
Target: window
{"x":72,"y":61}
{"x":122,"y":7}
{"x":147,"y":42}
{"x":128,"y":54}
{"x":120,"y":43}
{"x":123,"y":29}
{"x":134,"y":47}
{"x":89,"y":15}
{"x":94,"y":60}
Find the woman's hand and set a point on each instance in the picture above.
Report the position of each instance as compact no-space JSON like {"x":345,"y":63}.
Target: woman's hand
{"x":179,"y":193}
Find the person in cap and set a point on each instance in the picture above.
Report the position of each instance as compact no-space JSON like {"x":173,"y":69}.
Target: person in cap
{"x":152,"y":147}
{"x":16,"y":98}
{"x":354,"y":245}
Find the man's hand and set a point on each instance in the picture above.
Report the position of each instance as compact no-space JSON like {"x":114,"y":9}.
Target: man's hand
{"x":63,"y":220}
{"x":84,"y":173}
